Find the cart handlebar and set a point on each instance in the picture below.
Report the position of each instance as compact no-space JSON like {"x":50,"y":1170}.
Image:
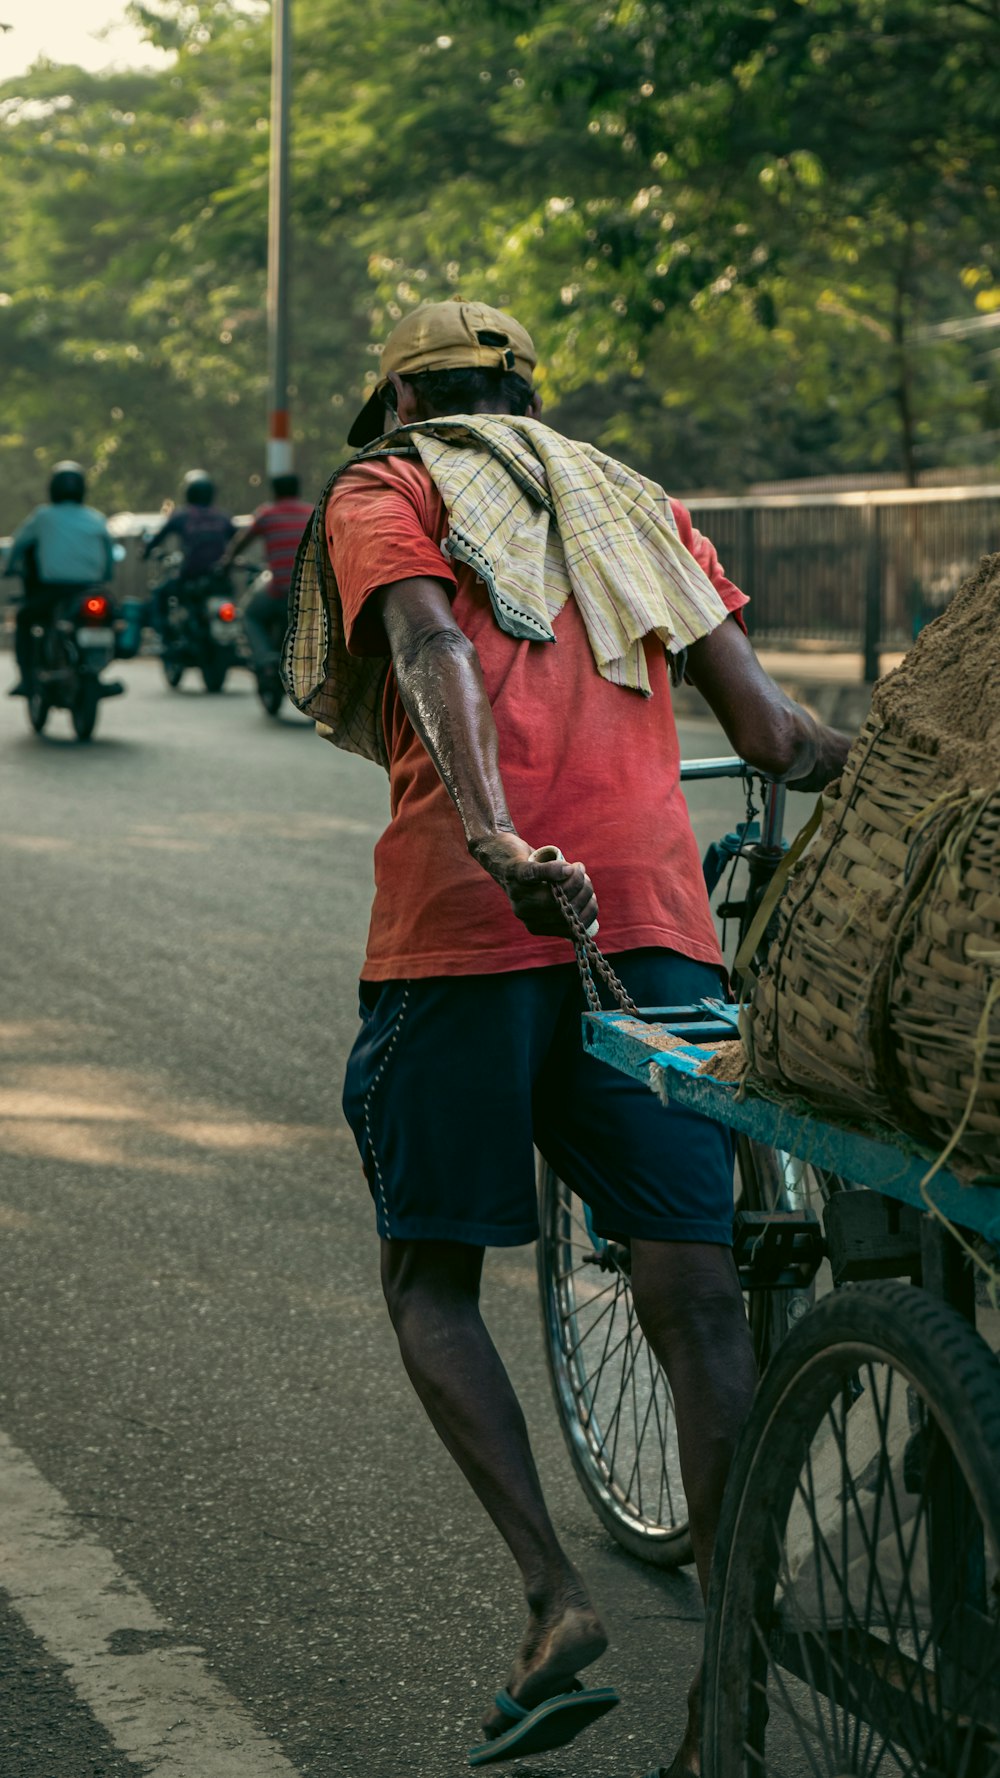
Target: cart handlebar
{"x":714,"y":768}
{"x":773,"y":822}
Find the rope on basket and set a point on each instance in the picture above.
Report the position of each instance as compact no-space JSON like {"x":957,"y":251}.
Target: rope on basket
{"x":979,"y":1057}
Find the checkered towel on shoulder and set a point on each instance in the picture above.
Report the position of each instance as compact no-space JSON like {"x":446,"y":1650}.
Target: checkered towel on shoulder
{"x":540,"y":518}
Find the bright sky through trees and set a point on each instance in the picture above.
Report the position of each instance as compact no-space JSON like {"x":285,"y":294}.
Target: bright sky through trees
{"x":88,"y":33}
{"x":753,"y":243}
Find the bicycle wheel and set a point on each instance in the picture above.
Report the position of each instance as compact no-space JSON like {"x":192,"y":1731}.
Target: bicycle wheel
{"x":854,"y":1613}
{"x":612,"y":1398}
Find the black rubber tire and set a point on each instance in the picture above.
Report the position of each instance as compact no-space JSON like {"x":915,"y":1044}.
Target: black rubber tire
{"x":83,"y":711}
{"x":38,"y":708}
{"x":213,"y":671}
{"x":271,"y":693}
{"x":173,"y":672}
{"x":945,"y":1362}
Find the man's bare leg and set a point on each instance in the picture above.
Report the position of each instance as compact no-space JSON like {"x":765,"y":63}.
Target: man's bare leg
{"x":690,"y":1308}
{"x":432,"y":1291}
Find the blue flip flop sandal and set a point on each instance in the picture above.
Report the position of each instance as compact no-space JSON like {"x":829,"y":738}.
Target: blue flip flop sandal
{"x":551,"y":1724}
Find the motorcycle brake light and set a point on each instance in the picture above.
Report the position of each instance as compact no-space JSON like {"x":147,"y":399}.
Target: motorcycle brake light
{"x":96,"y":607}
{"x":227,"y":612}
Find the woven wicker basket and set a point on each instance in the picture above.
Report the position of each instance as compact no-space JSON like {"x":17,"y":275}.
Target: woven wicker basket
{"x":943,"y":1011}
{"x":811,"y":1023}
{"x":880,"y":988}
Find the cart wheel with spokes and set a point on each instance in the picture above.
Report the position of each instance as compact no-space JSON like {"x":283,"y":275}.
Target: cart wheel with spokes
{"x":853,"y":1625}
{"x":612,"y":1397}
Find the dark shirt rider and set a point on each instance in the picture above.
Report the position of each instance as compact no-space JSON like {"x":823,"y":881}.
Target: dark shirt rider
{"x":201,"y":529}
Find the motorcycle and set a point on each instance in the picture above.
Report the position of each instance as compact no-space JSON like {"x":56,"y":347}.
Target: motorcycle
{"x":201,"y":630}
{"x":265,"y":663}
{"x":69,"y":654}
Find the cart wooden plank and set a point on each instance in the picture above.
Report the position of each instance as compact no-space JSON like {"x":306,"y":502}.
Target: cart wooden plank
{"x":664,"y":1057}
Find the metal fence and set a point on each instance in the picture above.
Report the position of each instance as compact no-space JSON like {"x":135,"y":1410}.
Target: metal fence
{"x":861,"y":569}
{"x":865,"y":569}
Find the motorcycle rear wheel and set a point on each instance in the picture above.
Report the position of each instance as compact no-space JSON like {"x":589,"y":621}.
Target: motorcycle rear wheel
{"x":271,"y":693}
{"x":38,"y":709}
{"x":213,"y":670}
{"x":83,"y":710}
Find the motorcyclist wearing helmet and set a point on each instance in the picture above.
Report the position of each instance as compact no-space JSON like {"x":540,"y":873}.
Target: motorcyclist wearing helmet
{"x":62,"y":547}
{"x":279,"y":525}
{"x":202,"y":531}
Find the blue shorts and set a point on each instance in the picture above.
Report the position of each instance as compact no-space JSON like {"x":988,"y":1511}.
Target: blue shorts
{"x":454,"y":1080}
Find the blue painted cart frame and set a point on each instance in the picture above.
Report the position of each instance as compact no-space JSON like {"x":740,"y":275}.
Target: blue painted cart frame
{"x":883,"y":1160}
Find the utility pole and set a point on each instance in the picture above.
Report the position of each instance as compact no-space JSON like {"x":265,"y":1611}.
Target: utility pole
{"x":280,"y":451}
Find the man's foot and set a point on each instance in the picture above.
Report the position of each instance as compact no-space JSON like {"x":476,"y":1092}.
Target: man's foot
{"x":560,"y":1640}
{"x":20,"y":690}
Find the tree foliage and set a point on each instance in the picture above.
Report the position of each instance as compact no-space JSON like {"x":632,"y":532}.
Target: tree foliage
{"x":751,"y":241}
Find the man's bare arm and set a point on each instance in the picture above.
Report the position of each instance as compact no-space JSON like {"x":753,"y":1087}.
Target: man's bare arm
{"x":158,"y":536}
{"x":765,"y":726}
{"x":235,"y":547}
{"x":440,"y":682}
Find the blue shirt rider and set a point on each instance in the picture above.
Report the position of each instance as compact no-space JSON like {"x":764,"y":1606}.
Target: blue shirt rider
{"x":61,"y":548}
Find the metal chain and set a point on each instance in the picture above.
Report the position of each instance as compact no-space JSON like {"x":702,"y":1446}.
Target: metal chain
{"x":591,"y":961}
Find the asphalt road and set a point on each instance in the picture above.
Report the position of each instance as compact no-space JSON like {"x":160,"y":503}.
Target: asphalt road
{"x":198,"y":1385}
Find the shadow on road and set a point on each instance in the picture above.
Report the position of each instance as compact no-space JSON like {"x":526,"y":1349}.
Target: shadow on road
{"x":57,"y":1106}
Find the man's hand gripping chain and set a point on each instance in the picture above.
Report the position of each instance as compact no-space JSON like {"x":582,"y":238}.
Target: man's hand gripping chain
{"x":589,"y":959}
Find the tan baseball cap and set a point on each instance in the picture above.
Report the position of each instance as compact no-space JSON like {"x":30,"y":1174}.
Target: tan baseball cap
{"x":445,"y":336}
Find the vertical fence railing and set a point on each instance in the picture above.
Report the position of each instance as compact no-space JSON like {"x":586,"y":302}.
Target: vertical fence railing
{"x":862,"y":570}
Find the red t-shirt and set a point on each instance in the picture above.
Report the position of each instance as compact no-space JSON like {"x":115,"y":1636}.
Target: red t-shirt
{"x":587,"y":766}
{"x":281,"y":523}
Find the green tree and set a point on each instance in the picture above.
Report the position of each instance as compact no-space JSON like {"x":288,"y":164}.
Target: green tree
{"x":736,"y":233}
{"x":816,"y":166}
